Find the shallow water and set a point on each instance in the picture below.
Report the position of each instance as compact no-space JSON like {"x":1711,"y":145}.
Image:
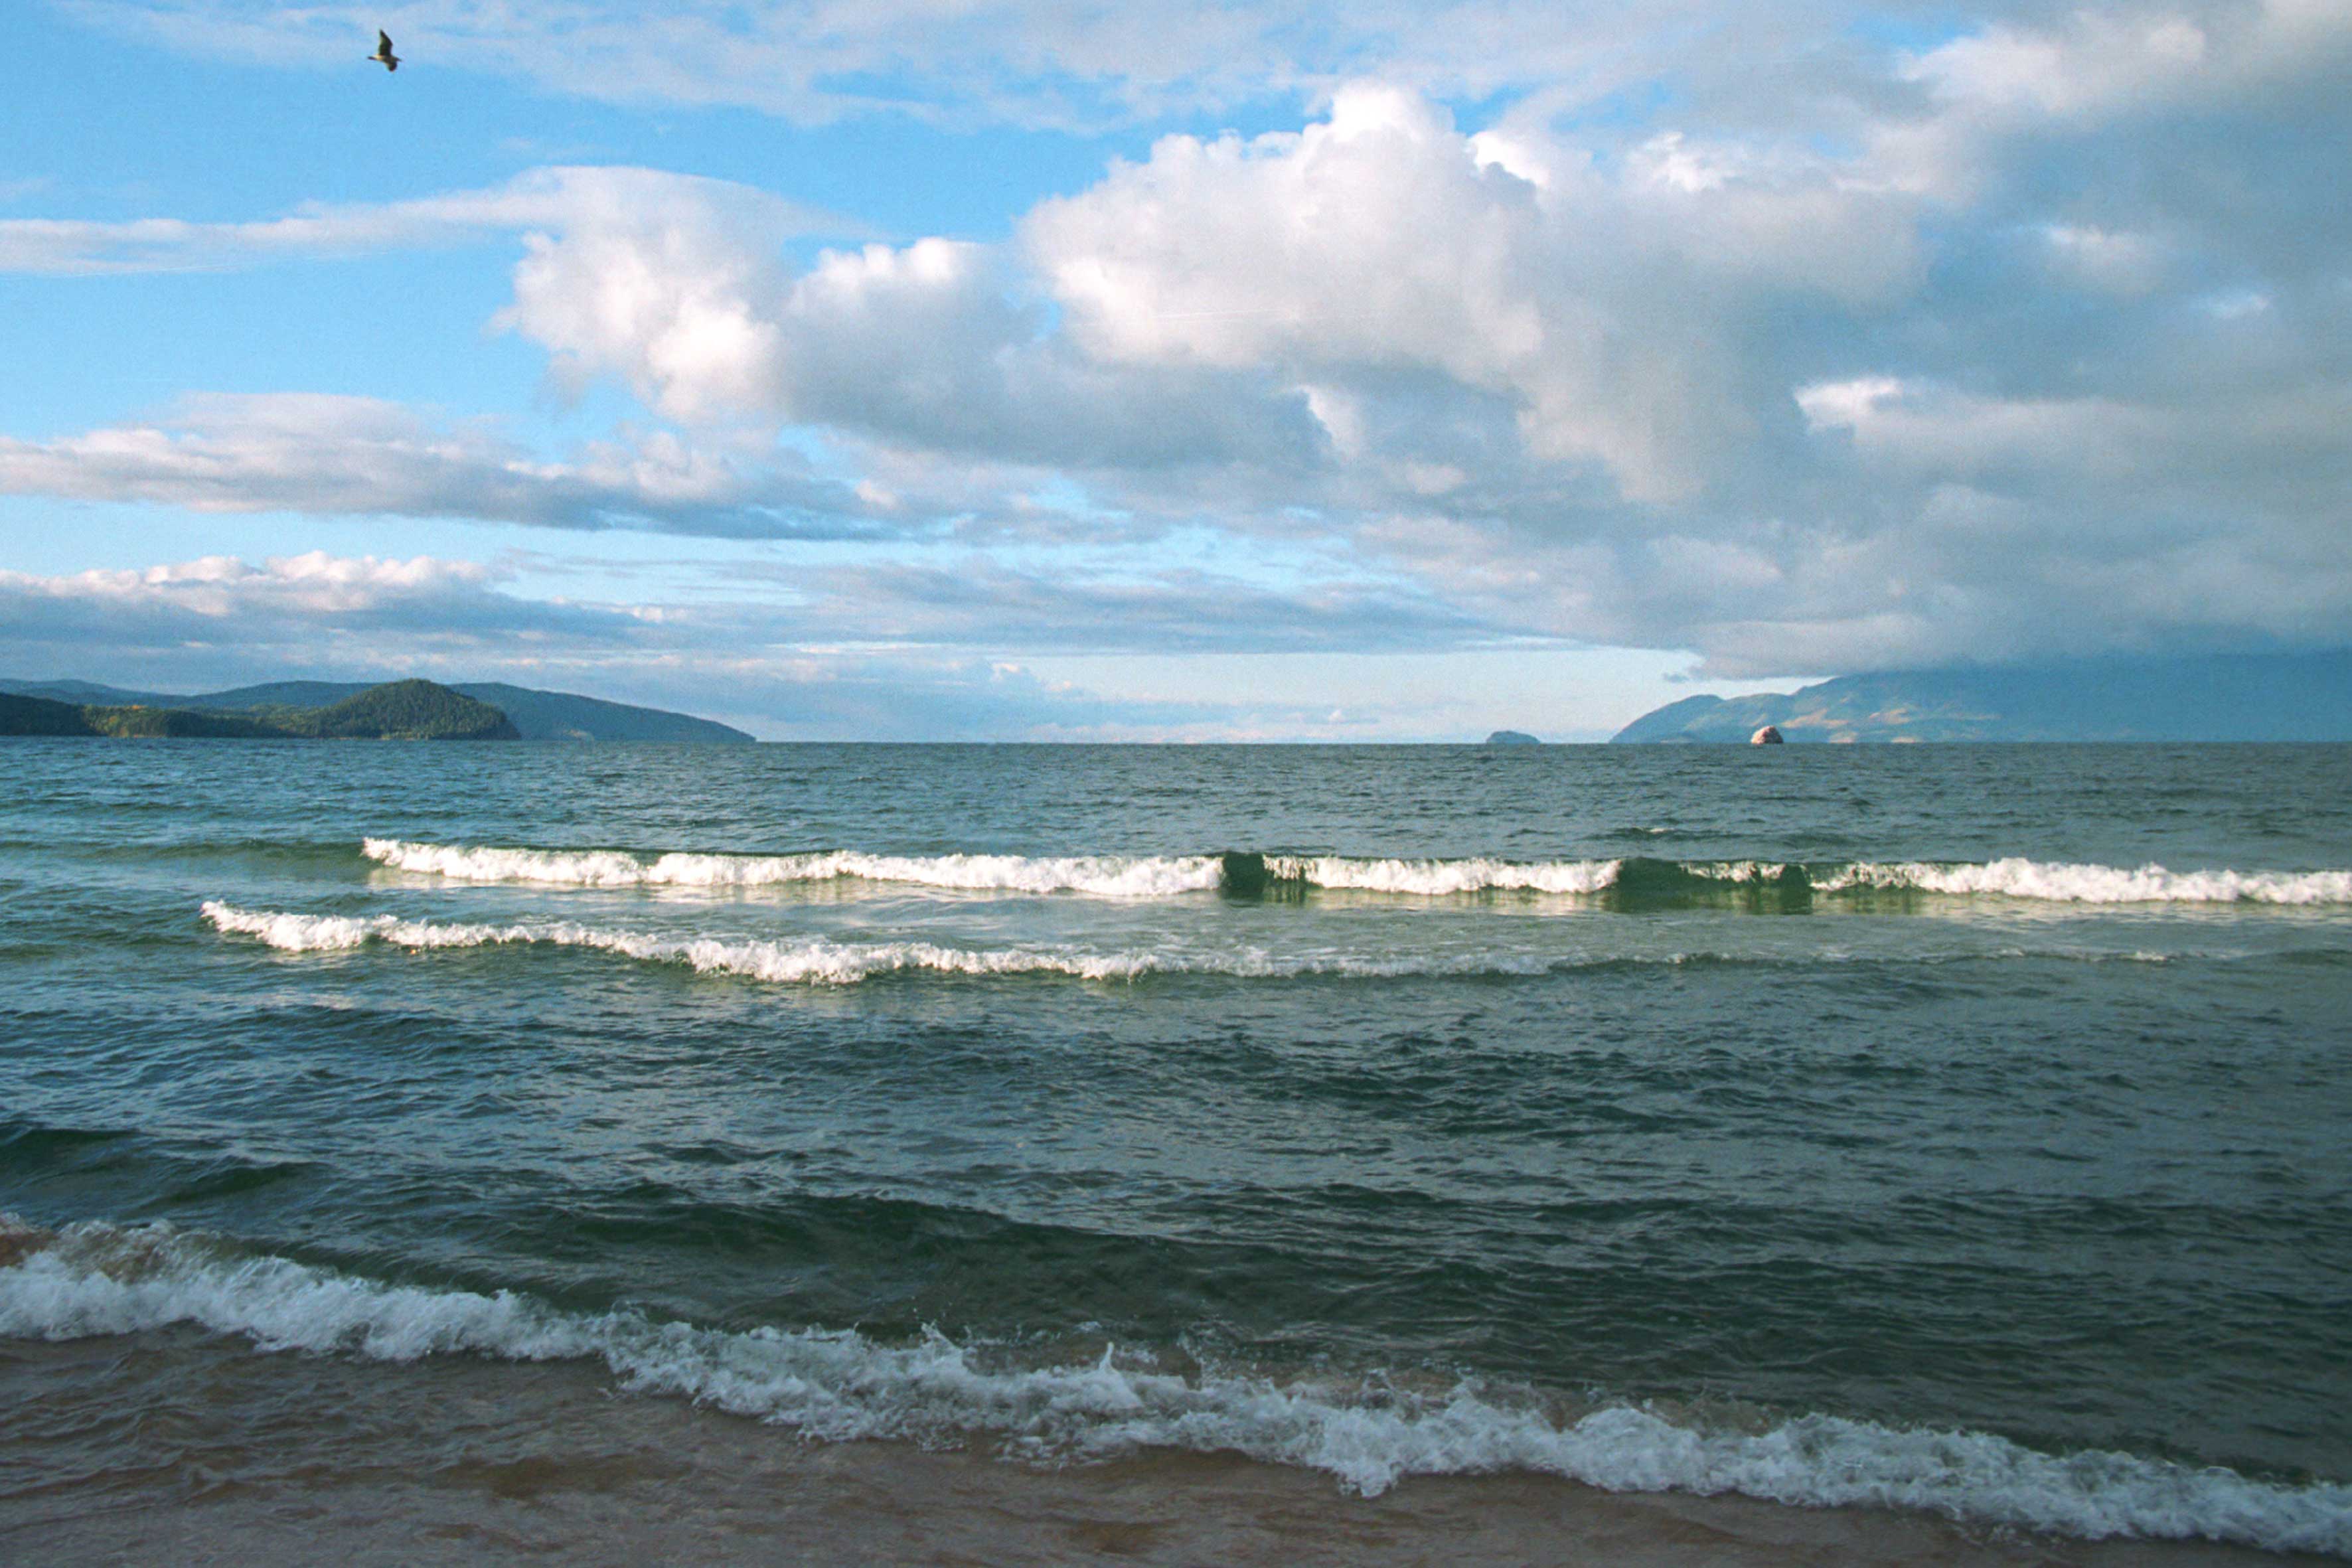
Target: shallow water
{"x":1956,"y":1129}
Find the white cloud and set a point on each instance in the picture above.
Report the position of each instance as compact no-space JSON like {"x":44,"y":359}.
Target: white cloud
{"x":336,"y":456}
{"x":1604,"y":307}
{"x":934,"y":345}
{"x":313,"y":607}
{"x":1804,"y":353}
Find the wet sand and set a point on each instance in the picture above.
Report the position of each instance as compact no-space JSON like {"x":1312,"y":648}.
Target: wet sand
{"x":184,"y":1448}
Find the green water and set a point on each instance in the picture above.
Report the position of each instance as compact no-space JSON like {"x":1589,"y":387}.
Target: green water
{"x":1991,"y":1093}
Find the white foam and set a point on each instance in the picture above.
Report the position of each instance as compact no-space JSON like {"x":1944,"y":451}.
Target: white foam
{"x":1154,"y":876}
{"x":101,"y":1279}
{"x":1104,"y":876}
{"x":1744,"y":872}
{"x":814,"y":961}
{"x":2092,"y":884}
{"x":1437,"y":878}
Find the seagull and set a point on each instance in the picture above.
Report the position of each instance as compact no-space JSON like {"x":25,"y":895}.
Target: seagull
{"x":391,"y":61}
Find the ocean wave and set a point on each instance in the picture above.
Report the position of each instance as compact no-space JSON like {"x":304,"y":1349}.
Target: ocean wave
{"x":1438,"y":878}
{"x":1106,"y":876}
{"x":95,"y":1279}
{"x":2092,"y":884}
{"x":1250,"y":874}
{"x":815,"y":961}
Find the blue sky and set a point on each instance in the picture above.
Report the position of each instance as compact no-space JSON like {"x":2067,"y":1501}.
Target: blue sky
{"x":1002,"y":370}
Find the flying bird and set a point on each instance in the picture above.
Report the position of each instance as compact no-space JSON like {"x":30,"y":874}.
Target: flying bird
{"x":383,"y":54}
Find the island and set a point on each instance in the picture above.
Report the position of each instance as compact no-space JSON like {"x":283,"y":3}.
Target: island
{"x":1512,"y":738}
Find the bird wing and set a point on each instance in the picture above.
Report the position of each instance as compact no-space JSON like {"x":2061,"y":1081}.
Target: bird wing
{"x":383,"y":41}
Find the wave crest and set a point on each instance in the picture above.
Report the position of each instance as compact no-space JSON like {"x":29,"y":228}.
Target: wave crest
{"x":814,"y":961}
{"x":1249,"y":874}
{"x":1439,"y":879}
{"x":1105,"y":876}
{"x":94,"y":1279}
{"x":2065,"y":882}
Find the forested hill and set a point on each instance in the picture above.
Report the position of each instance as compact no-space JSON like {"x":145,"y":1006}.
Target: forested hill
{"x":396,"y":711}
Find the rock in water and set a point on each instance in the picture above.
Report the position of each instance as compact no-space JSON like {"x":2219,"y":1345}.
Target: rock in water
{"x":1512,"y":738}
{"x":1769,"y":735}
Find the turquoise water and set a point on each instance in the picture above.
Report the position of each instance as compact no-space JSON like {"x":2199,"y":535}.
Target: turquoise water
{"x":1953,"y":1127}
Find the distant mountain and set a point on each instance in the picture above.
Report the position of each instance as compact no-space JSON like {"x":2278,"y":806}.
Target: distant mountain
{"x":2247,"y":697}
{"x":396,"y":711}
{"x":88,"y":691}
{"x":1512,"y":738}
{"x":536,"y":715}
{"x":279,"y":694}
{"x":561,"y":716}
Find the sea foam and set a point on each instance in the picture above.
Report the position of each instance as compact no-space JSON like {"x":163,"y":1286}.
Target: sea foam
{"x":1106,"y":876}
{"x":1158,"y":877}
{"x":96,"y":1279}
{"x":1438,"y":878}
{"x":816,"y":961}
{"x":2092,"y":884}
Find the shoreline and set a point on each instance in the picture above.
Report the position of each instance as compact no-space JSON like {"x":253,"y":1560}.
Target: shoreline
{"x":180,"y":1446}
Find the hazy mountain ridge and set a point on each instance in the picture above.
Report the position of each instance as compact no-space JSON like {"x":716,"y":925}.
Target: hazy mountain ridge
{"x":2245,"y":697}
{"x":536,"y":715}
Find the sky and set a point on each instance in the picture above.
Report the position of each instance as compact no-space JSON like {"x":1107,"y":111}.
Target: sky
{"x":1074,"y":370}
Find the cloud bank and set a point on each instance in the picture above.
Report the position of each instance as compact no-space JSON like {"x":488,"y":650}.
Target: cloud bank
{"x":2027,"y":337}
{"x":340,"y":457}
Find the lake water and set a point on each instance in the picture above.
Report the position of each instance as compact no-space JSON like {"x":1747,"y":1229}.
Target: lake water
{"x":1950,"y":1137}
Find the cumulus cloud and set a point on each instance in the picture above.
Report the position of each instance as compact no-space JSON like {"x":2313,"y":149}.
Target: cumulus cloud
{"x":933,"y":345}
{"x":1605,"y":309}
{"x":1297,"y":304}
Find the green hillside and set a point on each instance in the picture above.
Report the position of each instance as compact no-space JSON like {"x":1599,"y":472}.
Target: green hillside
{"x":181,"y":723}
{"x":397,"y":711}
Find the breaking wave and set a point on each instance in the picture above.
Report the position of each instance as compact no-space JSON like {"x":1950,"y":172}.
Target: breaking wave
{"x":2090,"y":884}
{"x":815,"y":961}
{"x":1432,"y":878}
{"x":1106,"y":875}
{"x":95,"y":1279}
{"x":1250,"y":874}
